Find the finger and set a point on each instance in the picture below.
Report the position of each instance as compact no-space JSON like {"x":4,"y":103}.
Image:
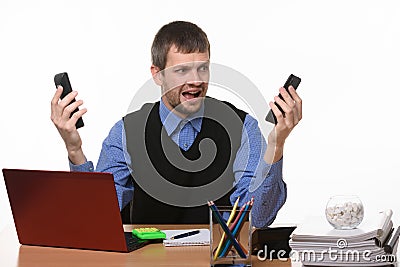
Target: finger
{"x":294,"y":94}
{"x":70,"y":108}
{"x":293,"y":105}
{"x":288,"y":117}
{"x":286,"y":96}
{"x":57,"y":95}
{"x":285,"y":107}
{"x":55,"y":110}
{"x":68,"y":99}
{"x":289,"y":96}
{"x":278,"y":114}
{"x":74,"y":118}
{"x":298,"y":101}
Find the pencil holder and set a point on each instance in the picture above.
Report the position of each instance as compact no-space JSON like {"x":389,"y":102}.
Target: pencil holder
{"x":230,"y":236}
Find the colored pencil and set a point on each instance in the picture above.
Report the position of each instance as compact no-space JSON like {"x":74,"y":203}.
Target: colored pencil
{"x":220,"y":220}
{"x":231,"y":216}
{"x":238,"y":227}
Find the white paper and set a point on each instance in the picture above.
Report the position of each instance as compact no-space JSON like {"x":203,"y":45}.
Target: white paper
{"x":200,"y":239}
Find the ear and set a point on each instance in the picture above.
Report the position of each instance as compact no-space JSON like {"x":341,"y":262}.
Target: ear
{"x":156,"y":73}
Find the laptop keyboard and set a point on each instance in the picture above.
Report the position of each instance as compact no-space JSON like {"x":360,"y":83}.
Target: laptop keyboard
{"x":134,"y":243}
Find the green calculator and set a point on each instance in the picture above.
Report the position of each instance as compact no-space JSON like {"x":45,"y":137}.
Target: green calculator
{"x":148,"y":233}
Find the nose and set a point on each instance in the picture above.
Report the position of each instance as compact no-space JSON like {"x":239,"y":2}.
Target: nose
{"x":195,"y":79}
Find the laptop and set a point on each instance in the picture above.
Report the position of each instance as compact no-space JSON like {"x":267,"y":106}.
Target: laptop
{"x":67,"y":209}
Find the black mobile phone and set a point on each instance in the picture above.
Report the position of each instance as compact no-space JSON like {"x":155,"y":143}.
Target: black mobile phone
{"x":63,"y":80}
{"x":293,"y":81}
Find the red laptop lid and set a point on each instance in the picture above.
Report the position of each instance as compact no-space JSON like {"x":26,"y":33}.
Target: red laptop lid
{"x":65,"y":209}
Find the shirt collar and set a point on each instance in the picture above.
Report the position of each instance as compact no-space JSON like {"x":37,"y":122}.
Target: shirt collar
{"x":171,"y":121}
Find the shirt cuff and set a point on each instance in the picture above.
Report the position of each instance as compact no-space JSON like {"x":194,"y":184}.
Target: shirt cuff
{"x":85,"y":167}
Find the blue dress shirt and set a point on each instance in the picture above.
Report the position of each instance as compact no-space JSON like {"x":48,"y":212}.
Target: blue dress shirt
{"x":253,"y":176}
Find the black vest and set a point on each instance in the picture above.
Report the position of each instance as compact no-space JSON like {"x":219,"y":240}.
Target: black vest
{"x":148,"y":144}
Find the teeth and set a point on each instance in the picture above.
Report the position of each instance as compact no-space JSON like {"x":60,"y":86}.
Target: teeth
{"x":192,"y":93}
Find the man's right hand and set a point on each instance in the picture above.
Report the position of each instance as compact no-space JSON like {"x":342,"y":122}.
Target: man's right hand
{"x":60,"y":115}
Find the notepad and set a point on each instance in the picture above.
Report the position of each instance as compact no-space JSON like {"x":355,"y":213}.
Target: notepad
{"x":200,"y":239}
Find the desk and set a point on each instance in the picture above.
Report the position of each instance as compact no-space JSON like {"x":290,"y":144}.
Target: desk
{"x":12,"y":254}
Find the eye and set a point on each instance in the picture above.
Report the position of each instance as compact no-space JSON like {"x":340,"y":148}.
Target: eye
{"x":203,"y":68}
{"x":180,"y":70}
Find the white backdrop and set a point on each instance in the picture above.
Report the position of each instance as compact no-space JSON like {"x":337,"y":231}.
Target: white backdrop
{"x":347,"y":53}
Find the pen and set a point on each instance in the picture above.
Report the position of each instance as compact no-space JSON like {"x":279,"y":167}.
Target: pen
{"x":185,"y":234}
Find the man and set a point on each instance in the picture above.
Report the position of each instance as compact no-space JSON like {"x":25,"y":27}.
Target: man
{"x":162,"y":141}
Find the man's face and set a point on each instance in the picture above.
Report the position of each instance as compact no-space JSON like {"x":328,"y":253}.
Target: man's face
{"x":184,"y":81}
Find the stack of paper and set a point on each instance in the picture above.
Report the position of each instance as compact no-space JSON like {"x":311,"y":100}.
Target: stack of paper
{"x":317,"y":243}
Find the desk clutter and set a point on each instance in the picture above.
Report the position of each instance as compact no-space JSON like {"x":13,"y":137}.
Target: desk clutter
{"x":231,"y":241}
{"x":272,"y":242}
{"x":172,"y":238}
{"x":195,"y":237}
{"x":373,"y":243}
{"x":344,"y":212}
{"x":148,"y":233}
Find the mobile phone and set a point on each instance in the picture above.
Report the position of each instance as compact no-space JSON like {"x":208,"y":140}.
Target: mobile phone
{"x":63,"y":80}
{"x":293,"y":81}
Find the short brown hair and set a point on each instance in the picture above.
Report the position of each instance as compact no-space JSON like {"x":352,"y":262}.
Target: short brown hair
{"x":186,"y":36}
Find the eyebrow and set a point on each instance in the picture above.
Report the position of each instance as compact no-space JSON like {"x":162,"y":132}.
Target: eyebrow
{"x":191,"y":64}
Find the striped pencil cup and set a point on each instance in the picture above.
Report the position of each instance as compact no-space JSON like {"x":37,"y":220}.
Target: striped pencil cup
{"x":230,"y":236}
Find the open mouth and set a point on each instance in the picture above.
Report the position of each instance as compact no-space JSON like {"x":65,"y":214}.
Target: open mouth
{"x":191,"y":94}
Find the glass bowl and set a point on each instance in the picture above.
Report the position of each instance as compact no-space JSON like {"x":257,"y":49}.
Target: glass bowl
{"x":344,"y":212}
